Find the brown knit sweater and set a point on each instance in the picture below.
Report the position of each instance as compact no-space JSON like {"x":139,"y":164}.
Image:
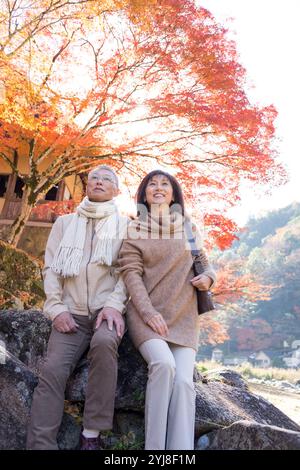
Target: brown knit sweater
{"x":157,"y":275}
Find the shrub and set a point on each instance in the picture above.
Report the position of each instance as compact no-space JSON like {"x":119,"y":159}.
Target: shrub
{"x":21,"y":284}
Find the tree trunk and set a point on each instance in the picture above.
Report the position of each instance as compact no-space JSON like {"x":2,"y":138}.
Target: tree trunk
{"x":16,"y":230}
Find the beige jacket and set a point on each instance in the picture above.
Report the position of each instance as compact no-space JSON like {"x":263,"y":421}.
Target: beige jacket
{"x":95,"y":287}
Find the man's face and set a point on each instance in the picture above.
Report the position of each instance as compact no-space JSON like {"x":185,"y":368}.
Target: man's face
{"x":101,"y":186}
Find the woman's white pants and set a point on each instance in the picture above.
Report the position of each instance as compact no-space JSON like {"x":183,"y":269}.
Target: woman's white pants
{"x":170,"y":396}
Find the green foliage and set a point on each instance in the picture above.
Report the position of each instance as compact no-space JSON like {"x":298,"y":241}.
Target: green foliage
{"x":139,"y":396}
{"x":21,"y":283}
{"x":201,"y":368}
{"x":128,"y":442}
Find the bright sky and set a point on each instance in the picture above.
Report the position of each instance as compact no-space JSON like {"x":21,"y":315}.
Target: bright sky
{"x":267,"y":34}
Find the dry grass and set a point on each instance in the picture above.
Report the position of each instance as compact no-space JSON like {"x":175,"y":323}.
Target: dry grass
{"x":248,"y":371}
{"x":288,"y":402}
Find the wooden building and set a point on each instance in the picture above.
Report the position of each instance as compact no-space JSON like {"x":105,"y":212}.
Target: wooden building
{"x":11,"y":197}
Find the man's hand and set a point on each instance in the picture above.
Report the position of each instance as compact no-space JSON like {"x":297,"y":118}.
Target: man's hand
{"x":113,"y":317}
{"x":158,"y":324}
{"x":65,"y":323}
{"x":202,"y":282}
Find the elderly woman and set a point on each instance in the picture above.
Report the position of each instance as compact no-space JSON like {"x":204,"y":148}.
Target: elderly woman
{"x":156,"y":263}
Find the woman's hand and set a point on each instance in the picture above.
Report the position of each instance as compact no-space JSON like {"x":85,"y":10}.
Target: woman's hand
{"x":202,"y":282}
{"x":158,"y":324}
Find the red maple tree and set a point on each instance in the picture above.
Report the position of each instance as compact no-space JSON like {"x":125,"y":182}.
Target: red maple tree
{"x":134,"y":91}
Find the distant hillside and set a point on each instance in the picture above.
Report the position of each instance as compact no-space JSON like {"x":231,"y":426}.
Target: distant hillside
{"x":257,"y":229}
{"x":270,"y":250}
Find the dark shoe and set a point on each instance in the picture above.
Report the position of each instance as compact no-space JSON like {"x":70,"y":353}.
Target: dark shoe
{"x":90,"y":443}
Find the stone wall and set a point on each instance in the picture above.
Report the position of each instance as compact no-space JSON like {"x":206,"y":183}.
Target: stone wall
{"x":33,"y":239}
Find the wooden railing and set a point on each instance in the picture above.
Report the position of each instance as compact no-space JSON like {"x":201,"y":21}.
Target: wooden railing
{"x":13,"y":209}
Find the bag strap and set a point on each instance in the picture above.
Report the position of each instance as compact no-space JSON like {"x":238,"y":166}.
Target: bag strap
{"x":191,"y":239}
{"x":196,"y":254}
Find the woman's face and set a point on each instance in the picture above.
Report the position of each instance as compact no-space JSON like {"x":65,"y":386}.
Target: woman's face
{"x":159,"y":190}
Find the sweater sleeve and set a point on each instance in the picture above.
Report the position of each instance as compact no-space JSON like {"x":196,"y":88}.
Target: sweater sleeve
{"x":131,"y":266}
{"x":53,"y":283}
{"x":208,"y":270}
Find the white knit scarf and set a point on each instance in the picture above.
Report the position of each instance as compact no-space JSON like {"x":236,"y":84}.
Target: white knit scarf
{"x":68,"y":256}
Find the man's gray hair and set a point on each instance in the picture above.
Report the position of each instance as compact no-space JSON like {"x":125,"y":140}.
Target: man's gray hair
{"x":108,"y":168}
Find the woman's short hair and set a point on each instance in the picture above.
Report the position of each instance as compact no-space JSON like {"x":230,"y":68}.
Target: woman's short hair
{"x":178,"y":202}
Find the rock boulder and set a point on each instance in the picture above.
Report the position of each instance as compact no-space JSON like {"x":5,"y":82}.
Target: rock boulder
{"x":223,"y":401}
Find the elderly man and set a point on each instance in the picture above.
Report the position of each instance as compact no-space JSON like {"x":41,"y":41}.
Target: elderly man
{"x":85,"y":299}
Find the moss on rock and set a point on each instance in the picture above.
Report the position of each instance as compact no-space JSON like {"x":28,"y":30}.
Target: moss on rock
{"x":21,"y":284}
